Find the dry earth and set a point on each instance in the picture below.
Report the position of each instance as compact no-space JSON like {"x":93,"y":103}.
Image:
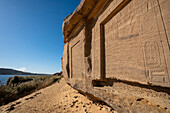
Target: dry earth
{"x":58,"y":98}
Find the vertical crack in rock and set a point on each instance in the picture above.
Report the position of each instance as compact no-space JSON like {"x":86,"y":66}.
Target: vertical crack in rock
{"x":87,"y":46}
{"x":67,"y":65}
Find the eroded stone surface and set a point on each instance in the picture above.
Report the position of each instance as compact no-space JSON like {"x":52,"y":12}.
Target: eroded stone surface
{"x":118,"y":51}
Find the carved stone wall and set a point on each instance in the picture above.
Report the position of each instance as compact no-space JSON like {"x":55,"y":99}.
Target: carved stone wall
{"x":76,"y":53}
{"x":121,"y":44}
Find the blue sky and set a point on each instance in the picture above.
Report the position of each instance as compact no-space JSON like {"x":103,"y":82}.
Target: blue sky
{"x":31,"y":34}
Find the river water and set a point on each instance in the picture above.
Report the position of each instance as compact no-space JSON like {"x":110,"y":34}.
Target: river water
{"x":4,"y":78}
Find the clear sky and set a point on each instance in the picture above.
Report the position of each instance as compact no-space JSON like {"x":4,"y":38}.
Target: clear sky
{"x":31,"y":34}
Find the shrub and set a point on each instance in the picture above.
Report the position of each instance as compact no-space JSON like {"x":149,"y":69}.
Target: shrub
{"x":6,"y":95}
{"x":26,"y":87}
{"x":16,"y":80}
{"x":19,"y":86}
{"x":8,"y":81}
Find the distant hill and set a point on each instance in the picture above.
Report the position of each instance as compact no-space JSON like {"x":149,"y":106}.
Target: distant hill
{"x":6,"y":71}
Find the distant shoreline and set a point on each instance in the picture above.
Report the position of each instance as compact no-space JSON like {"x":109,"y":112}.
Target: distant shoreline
{"x":6,"y":71}
{"x":26,"y":74}
{"x":4,"y":78}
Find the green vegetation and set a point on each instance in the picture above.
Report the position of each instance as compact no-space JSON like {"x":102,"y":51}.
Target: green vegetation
{"x":20,"y":86}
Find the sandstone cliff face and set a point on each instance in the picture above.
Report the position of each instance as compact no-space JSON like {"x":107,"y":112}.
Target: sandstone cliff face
{"x":118,"y":51}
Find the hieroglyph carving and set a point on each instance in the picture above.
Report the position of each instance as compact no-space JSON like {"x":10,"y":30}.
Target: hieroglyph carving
{"x":152,"y":54}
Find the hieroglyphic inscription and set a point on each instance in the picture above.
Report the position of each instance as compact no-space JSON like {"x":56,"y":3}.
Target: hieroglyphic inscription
{"x":123,"y":49}
{"x":130,"y":36}
{"x":152,"y":54}
{"x":132,"y":45}
{"x":157,"y":76}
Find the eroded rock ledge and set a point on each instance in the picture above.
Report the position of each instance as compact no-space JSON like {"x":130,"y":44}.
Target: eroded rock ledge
{"x":118,"y":51}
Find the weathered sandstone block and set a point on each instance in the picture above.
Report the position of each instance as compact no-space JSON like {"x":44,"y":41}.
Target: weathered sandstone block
{"x":121,"y":44}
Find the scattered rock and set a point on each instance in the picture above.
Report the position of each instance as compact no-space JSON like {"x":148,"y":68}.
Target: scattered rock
{"x":18,"y":102}
{"x":115,"y":112}
{"x":10,"y":108}
{"x":75,"y":101}
{"x":100,"y":108}
{"x":29,"y":98}
{"x":37,"y":93}
{"x":84,"y":106}
{"x":107,"y":108}
{"x":86,"y":103}
{"x":104,"y":109}
{"x":139,"y":99}
{"x":72,"y":105}
{"x":85,"y":110}
{"x":75,"y":96}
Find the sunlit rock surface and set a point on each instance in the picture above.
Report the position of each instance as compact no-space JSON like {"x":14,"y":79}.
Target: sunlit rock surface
{"x":118,"y":51}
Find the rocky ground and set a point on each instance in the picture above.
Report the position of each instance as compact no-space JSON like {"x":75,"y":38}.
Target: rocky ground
{"x":57,"y":98}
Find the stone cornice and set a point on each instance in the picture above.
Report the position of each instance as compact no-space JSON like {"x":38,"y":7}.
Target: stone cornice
{"x":87,"y":9}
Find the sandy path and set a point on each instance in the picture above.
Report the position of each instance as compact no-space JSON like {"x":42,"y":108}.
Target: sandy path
{"x":58,"y":98}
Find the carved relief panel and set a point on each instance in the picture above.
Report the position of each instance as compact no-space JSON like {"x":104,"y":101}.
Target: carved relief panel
{"x":134,"y":43}
{"x":76,"y":54}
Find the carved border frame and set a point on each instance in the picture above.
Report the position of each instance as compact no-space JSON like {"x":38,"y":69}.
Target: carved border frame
{"x":71,"y":74}
{"x":102,"y":35}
